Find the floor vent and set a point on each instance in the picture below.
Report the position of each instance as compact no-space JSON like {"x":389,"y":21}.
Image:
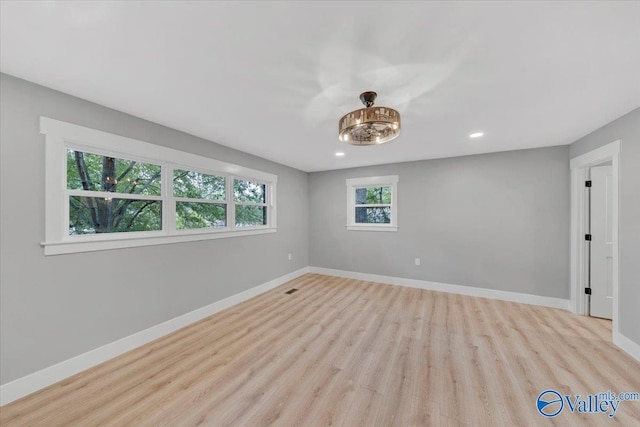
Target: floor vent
{"x":290,"y":291}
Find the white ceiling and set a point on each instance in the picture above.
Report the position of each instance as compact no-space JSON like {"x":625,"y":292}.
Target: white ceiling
{"x":273,"y":79}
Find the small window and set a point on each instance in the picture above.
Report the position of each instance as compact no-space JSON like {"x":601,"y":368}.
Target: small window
{"x":371,"y":203}
{"x":250,"y":203}
{"x":200,"y":200}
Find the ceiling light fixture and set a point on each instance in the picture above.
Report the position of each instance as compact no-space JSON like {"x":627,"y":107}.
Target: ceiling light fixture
{"x":476,"y":135}
{"x":370,"y":125}
{"x":339,"y":154}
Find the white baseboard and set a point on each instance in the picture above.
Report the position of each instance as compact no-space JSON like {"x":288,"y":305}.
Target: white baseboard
{"x":47,"y":376}
{"x":445,"y":287}
{"x":627,"y":345}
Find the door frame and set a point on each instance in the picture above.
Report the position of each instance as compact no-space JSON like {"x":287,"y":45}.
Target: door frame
{"x":579,"y":226}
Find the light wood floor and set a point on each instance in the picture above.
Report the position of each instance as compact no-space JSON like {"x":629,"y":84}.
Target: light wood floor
{"x":350,"y":353}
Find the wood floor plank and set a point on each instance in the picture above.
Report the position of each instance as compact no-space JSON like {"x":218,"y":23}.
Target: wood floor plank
{"x":281,"y":384}
{"x":348,"y":353}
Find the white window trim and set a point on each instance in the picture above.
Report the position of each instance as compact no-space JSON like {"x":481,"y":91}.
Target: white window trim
{"x":375,"y":181}
{"x":61,"y":135}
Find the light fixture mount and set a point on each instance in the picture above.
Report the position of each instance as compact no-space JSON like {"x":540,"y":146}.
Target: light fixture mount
{"x":368,"y":98}
{"x":370,"y":125}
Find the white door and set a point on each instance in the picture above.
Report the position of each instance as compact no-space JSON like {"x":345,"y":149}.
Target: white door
{"x":601,"y":301}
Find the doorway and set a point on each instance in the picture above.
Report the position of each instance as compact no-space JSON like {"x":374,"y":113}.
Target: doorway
{"x":594,"y":266}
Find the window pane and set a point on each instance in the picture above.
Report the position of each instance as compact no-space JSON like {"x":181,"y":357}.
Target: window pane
{"x":197,"y":185}
{"x":200,"y":215}
{"x":93,"y":215}
{"x":373,"y":195}
{"x":94,"y":172}
{"x":381,"y":215}
{"x":247,"y":191}
{"x":248,"y":216}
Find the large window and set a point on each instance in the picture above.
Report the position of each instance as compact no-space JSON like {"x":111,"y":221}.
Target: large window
{"x":112,"y":195}
{"x":372,"y":203}
{"x":105,"y":191}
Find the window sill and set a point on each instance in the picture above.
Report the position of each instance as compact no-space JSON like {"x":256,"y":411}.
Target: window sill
{"x":371,"y":228}
{"x":69,"y":247}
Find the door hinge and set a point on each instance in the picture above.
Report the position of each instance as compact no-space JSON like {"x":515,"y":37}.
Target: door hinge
{"x":587,"y":183}
{"x":587,"y":237}
{"x":587,"y":291}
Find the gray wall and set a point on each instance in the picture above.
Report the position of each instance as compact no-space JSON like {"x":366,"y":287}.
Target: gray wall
{"x":498,"y":221}
{"x":627,"y":130}
{"x":53,"y":308}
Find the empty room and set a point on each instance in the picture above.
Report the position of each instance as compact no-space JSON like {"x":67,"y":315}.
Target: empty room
{"x":319,"y":213}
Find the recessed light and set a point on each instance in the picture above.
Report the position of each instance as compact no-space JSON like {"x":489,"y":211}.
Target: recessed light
{"x":476,"y":135}
{"x":339,"y":154}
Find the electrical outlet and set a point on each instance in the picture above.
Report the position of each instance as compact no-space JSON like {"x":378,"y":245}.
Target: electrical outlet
{"x":417,"y":261}
{"x":290,"y":257}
